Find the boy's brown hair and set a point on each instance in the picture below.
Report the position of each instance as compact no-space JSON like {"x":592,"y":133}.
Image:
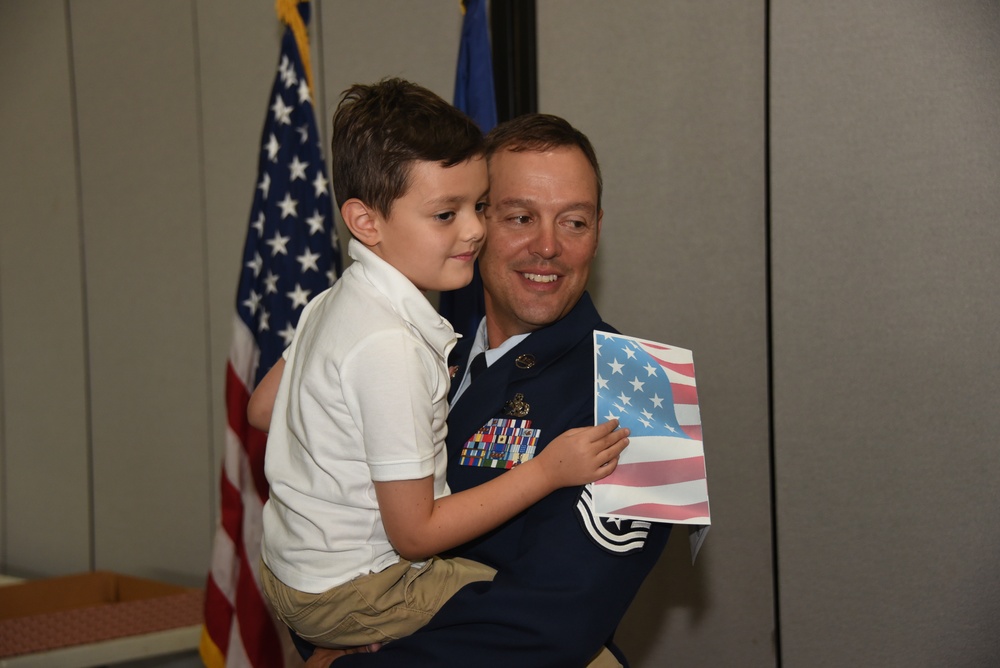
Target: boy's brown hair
{"x":379,"y":130}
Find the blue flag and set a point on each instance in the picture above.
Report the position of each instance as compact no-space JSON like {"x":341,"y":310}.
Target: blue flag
{"x":474,"y":76}
{"x":474,"y":95}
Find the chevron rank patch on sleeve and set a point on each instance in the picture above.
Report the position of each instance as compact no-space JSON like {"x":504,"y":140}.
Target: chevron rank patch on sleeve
{"x":614,"y":534}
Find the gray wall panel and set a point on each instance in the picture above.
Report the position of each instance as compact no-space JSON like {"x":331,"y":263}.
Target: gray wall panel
{"x":43,"y":446}
{"x":146,"y":285}
{"x":366,"y":40}
{"x":886,"y":160}
{"x":238,"y":46}
{"x":362,"y":41}
{"x":672,"y":95}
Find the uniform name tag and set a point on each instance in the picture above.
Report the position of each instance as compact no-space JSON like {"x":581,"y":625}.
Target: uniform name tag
{"x":501,"y":443}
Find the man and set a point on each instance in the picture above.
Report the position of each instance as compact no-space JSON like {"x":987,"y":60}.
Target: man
{"x":564,"y":576}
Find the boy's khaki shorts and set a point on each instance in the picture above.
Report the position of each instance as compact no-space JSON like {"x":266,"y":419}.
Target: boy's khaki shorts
{"x":373,"y":608}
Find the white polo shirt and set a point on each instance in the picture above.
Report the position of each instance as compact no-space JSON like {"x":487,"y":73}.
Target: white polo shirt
{"x":363,"y":398}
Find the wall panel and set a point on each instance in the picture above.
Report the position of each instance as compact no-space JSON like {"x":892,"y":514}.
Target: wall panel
{"x":886,"y":160}
{"x":362,"y":41}
{"x":45,"y":506}
{"x":672,"y":95}
{"x":144,"y":241}
{"x":238,"y":46}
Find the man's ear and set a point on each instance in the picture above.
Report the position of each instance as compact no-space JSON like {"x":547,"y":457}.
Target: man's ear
{"x":600,"y":220}
{"x":362,"y":221}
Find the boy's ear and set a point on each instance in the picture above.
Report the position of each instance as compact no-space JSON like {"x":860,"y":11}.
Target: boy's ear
{"x":362,"y":221}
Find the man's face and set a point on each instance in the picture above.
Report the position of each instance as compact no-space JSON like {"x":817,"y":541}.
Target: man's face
{"x":543,"y":224}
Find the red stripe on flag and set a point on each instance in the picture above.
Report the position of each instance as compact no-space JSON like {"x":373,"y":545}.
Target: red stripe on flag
{"x":232,"y":510}
{"x":684,"y":394}
{"x":254,"y":444}
{"x":218,"y":615}
{"x":682,"y":369}
{"x":693,"y":431}
{"x":237,"y":398}
{"x":252,"y":439}
{"x":652,"y":474}
{"x":664,"y":512}
{"x":257,"y":629}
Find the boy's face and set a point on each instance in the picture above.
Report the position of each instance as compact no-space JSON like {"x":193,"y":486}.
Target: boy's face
{"x":543,"y":229}
{"x":433,"y":233}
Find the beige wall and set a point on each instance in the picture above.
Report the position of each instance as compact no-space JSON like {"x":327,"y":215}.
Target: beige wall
{"x":843,"y":249}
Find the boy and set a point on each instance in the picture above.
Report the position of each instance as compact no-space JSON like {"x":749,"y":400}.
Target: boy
{"x":355,"y":455}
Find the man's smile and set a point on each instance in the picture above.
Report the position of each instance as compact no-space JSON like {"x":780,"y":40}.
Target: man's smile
{"x":540,"y":278}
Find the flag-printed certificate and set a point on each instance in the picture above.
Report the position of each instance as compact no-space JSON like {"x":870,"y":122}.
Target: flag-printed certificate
{"x":650,"y":388}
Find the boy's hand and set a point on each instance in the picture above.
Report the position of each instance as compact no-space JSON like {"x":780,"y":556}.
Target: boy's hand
{"x":585,"y":454}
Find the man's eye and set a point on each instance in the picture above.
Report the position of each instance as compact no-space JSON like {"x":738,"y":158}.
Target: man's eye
{"x":520,"y":220}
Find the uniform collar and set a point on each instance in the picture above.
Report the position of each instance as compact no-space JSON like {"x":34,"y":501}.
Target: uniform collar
{"x":531,"y":356}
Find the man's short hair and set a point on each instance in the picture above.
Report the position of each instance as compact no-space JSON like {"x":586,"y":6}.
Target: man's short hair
{"x":379,"y":130}
{"x":542,"y":132}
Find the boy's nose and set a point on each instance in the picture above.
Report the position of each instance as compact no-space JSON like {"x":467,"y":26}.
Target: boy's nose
{"x":475,"y":228}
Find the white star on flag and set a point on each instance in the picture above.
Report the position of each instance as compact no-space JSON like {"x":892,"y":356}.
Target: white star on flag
{"x":298,"y":296}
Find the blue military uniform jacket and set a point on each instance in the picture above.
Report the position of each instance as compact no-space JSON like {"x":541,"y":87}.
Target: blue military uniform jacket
{"x":565,"y":578}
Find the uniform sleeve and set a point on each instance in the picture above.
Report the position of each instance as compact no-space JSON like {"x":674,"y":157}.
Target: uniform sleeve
{"x":556,"y":606}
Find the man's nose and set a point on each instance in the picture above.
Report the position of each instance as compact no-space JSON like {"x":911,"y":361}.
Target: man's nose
{"x":545,"y":243}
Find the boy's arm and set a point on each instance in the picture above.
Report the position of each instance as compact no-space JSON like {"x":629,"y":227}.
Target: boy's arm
{"x":262,"y":400}
{"x":419,"y":526}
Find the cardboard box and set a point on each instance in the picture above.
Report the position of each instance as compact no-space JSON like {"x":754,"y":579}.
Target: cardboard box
{"x":41,"y":615}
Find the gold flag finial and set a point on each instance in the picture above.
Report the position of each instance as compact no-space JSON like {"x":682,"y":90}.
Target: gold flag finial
{"x":288,"y":12}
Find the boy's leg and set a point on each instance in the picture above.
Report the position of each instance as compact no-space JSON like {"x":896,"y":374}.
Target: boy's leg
{"x":412,"y":599}
{"x":604,"y":659}
{"x":373,"y":608}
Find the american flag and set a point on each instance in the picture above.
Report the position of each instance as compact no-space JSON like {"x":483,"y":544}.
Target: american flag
{"x":650,"y":388}
{"x":290,"y":255}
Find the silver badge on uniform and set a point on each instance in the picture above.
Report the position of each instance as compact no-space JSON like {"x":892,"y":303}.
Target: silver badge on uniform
{"x":517,"y":407}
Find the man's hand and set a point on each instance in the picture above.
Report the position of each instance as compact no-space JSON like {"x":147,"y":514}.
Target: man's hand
{"x":323,"y":657}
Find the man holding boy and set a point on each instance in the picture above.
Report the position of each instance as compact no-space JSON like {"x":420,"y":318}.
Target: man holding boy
{"x":565,"y":577}
{"x":355,"y":458}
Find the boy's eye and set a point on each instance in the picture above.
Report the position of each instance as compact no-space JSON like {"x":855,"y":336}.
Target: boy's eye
{"x":481,"y":207}
{"x":445,"y":216}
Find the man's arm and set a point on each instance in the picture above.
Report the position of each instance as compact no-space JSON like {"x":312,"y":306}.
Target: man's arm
{"x":556,"y":605}
{"x":558,"y":594}
{"x":262,"y":400}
